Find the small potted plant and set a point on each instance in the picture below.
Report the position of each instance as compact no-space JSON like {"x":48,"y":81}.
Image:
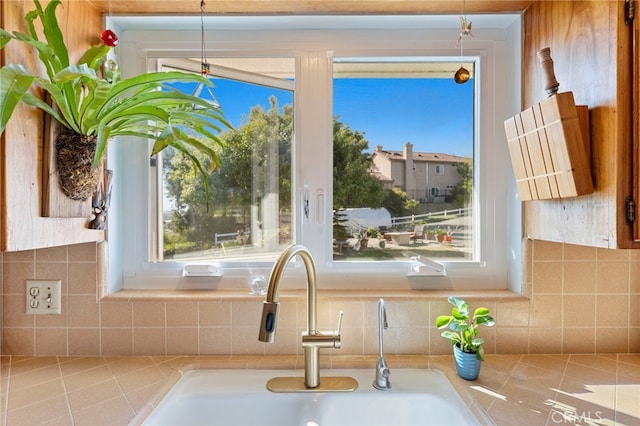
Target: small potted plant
{"x":429,"y":235}
{"x":362,"y":240}
{"x":463,"y":335}
{"x":382,"y":243}
{"x":440,"y":234}
{"x":92,"y":104}
{"x":448,"y":236}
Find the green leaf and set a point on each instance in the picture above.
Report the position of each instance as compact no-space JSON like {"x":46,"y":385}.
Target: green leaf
{"x":453,"y":337}
{"x":101,"y":144}
{"x":45,"y":53}
{"x":165,"y":139}
{"x":32,"y":16}
{"x":443,"y":321}
{"x":460,"y":315}
{"x":198,"y":119}
{"x":154,"y":98}
{"x":481,"y":311}
{"x":73,"y":72}
{"x":198,"y":167}
{"x":91,"y":104}
{"x":53,"y":33}
{"x":455,"y":301}
{"x":140,"y":113}
{"x":477,"y":341}
{"x":63,"y":103}
{"x":15,"y":82}
{"x":461,"y":308}
{"x":34,"y":101}
{"x":485,"y":320}
{"x":199,"y":125}
{"x":457,"y":325}
{"x":94,"y":56}
{"x":146,"y":81}
{"x":5,"y":38}
{"x":195,"y":143}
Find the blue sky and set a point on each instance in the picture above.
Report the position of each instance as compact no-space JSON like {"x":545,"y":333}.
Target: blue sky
{"x":434,"y":114}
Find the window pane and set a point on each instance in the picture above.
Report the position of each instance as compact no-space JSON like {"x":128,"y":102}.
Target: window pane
{"x":403,"y":160}
{"x":249,"y":209}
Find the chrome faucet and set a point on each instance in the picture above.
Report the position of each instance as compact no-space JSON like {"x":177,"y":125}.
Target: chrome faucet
{"x":312,"y":339}
{"x":382,"y":371}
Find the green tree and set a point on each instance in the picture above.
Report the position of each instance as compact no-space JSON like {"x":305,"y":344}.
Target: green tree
{"x":192,"y":224}
{"x":462,"y":191}
{"x":257,"y":158}
{"x":255,"y":161}
{"x":248,"y":170}
{"x":353,"y":185}
{"x":398,"y":203}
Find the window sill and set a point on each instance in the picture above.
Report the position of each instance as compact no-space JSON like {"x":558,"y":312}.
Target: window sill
{"x":359,"y":295}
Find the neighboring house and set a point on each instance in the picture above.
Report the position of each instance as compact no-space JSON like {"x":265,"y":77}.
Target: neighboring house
{"x":424,"y":176}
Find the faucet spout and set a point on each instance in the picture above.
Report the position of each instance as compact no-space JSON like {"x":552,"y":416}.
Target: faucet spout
{"x":312,"y":339}
{"x":271,"y":305}
{"x":381,"y":381}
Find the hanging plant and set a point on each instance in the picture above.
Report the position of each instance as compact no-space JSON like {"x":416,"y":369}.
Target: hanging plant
{"x":93,"y":105}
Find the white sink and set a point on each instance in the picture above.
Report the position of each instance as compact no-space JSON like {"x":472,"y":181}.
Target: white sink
{"x":240,"y":397}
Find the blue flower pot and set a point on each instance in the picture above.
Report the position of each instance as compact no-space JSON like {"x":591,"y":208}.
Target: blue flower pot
{"x":467,"y":364}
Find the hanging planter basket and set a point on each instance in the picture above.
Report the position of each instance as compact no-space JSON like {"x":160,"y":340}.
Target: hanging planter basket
{"x":74,"y":156}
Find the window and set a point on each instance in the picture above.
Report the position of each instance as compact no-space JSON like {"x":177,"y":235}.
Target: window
{"x":301,"y":65}
{"x":429,"y":118}
{"x":248,"y":212}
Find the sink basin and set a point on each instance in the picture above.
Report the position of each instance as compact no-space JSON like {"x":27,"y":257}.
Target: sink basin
{"x":240,"y":397}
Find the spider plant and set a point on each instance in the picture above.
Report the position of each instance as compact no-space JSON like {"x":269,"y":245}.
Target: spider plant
{"x":90,"y":99}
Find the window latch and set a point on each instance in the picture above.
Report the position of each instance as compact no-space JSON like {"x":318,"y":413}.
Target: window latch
{"x":305,"y":202}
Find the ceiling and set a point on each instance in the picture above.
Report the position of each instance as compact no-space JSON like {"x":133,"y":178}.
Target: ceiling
{"x":156,"y":7}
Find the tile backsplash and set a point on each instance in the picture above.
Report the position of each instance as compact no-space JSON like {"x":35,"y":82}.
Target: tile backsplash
{"x":580,"y":300}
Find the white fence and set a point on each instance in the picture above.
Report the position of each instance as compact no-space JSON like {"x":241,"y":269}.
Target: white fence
{"x":229,"y":236}
{"x":444,"y":214}
{"x":355,"y":227}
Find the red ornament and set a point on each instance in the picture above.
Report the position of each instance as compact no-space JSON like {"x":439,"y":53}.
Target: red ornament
{"x":109,"y":38}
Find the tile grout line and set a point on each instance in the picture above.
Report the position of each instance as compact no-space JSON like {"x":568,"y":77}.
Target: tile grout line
{"x":6,"y":398}
{"x":66,"y":392}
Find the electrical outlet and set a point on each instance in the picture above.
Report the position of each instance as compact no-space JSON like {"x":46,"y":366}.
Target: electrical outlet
{"x":44,"y":297}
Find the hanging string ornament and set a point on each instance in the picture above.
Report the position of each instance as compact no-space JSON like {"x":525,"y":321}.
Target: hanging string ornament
{"x":462,"y":75}
{"x":205,"y":67}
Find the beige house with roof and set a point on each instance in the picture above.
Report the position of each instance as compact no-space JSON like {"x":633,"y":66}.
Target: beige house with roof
{"x":424,"y":176}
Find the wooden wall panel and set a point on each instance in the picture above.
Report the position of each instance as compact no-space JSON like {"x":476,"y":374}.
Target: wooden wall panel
{"x":590,"y":47}
{"x":635,"y":78}
{"x":308,"y":6}
{"x":22,"y":225}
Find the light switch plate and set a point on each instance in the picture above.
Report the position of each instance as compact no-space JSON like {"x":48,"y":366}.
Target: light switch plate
{"x":44,"y":297}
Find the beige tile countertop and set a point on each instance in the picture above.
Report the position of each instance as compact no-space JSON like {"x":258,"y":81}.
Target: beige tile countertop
{"x":511,"y":389}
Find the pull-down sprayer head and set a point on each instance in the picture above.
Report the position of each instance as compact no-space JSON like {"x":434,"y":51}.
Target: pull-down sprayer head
{"x":269,"y":321}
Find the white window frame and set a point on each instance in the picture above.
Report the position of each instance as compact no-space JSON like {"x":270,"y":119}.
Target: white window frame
{"x":499,"y":247}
